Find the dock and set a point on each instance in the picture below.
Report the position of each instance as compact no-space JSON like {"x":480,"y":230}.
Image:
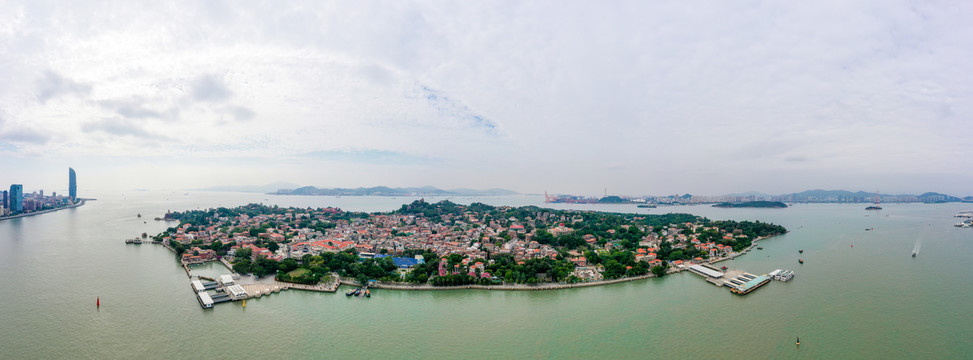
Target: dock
{"x":739,"y":282}
{"x":225,"y":289}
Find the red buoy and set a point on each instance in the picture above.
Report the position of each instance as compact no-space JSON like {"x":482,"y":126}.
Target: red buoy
{"x":98,"y":302}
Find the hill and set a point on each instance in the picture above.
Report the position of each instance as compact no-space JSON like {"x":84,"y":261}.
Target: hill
{"x":390,"y":191}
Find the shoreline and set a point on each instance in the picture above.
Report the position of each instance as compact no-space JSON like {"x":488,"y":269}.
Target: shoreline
{"x":513,"y":287}
{"x":80,"y":202}
{"x":541,"y":286}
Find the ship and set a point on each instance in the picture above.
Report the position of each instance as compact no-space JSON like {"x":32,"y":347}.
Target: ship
{"x":646,"y":206}
{"x":878,"y":202}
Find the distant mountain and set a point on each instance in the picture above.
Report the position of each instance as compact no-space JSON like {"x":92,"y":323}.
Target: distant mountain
{"x":388,"y":191}
{"x":752,"y":204}
{"x":257,"y":189}
{"x":750,"y":193}
{"x":819,"y":195}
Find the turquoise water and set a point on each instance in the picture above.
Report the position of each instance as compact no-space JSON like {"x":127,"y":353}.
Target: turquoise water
{"x":871,"y":300}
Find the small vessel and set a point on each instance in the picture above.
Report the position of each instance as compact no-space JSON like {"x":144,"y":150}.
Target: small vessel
{"x":140,"y":215}
{"x":878,"y":201}
{"x":913,"y":254}
{"x":800,"y":261}
{"x":98,"y":302}
{"x":368,"y":293}
{"x":244,"y":302}
{"x":760,"y":248}
{"x":357,"y":291}
{"x":801,"y":251}
{"x":724,"y":268}
{"x":798,"y":340}
{"x":645,"y":206}
{"x":350,"y":293}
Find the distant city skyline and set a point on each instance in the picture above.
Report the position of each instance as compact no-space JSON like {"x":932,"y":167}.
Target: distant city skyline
{"x":641,"y":98}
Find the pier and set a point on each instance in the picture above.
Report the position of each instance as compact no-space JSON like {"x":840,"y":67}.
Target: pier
{"x":739,"y":282}
{"x":227,"y":289}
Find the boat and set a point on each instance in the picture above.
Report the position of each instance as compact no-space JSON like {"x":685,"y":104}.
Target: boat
{"x":801,"y":251}
{"x":878,"y":201}
{"x":800,"y":261}
{"x":368,"y":293}
{"x":760,"y":248}
{"x":357,"y":291}
{"x":350,"y":293}
{"x":913,"y":254}
{"x":140,"y":215}
{"x":798,"y":340}
{"x":645,"y":206}
{"x":781,"y":275}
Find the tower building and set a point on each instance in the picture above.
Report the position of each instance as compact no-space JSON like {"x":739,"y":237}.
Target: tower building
{"x":72,"y":185}
{"x":16,"y":198}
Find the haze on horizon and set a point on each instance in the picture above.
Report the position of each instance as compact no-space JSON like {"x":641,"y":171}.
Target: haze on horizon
{"x":564,"y":96}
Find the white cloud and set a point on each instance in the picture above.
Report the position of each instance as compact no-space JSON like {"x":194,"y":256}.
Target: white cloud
{"x":567,"y":96}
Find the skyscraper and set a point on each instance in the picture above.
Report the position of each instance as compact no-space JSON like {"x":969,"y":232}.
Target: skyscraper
{"x":6,"y":202}
{"x":16,"y":198}
{"x":72,"y":184}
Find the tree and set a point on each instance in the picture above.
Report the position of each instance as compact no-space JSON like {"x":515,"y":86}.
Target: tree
{"x":659,"y":270}
{"x":243,"y":253}
{"x":288,"y":265}
{"x":217,"y":246}
{"x":242,"y":266}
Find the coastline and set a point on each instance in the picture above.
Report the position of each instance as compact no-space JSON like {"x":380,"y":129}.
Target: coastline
{"x":501,"y":287}
{"x":542,"y":286}
{"x":79,"y":203}
{"x":511,"y":287}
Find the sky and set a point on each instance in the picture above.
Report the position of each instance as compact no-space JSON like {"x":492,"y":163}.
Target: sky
{"x":573,"y":97}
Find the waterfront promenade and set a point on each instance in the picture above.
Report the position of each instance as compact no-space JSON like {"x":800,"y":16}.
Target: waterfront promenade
{"x":79,"y":203}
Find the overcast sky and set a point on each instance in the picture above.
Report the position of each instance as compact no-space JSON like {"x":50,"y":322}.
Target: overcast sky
{"x":640,"y":97}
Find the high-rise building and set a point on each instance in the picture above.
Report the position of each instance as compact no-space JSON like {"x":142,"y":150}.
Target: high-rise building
{"x":6,"y":202}
{"x":72,"y":184}
{"x":16,"y":198}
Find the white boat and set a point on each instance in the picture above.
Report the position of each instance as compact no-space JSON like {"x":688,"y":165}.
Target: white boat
{"x":781,"y":275}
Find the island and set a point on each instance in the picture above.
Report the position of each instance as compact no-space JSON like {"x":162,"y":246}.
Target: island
{"x":447,"y":245}
{"x":388,"y":191}
{"x":752,"y":204}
